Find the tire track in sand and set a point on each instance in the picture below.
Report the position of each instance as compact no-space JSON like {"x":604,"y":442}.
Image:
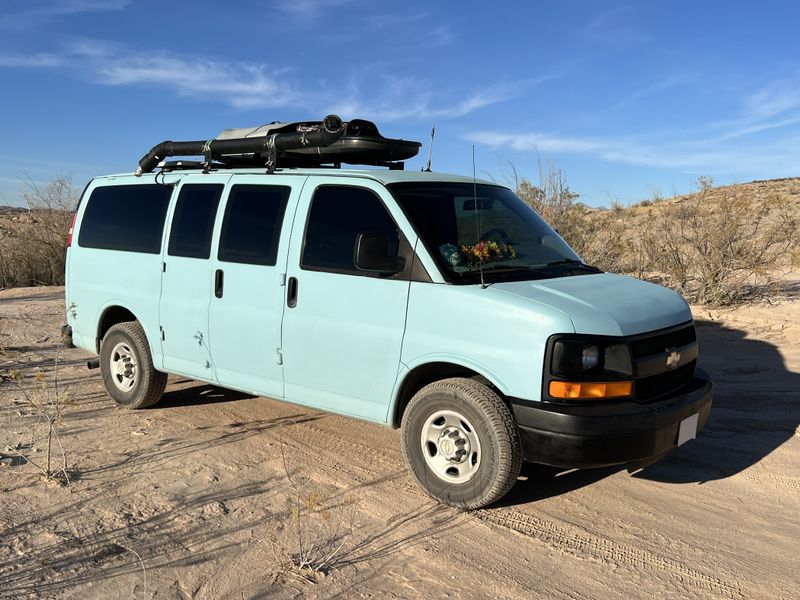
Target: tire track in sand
{"x":557,"y":534}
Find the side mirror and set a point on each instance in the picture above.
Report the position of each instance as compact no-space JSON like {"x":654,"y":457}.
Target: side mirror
{"x":372,"y":254}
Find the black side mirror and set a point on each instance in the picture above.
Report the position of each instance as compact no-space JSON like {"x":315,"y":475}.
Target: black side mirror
{"x":372,"y":254}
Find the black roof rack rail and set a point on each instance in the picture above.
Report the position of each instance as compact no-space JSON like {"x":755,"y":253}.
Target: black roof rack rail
{"x":329,"y":142}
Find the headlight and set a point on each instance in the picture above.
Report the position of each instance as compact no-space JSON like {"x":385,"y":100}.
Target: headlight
{"x":591,"y":360}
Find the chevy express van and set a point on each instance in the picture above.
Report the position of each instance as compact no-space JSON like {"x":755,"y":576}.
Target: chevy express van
{"x":435,"y":303}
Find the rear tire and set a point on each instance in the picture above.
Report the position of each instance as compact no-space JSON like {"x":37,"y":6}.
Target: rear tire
{"x":126,"y":366}
{"x":461,"y":443}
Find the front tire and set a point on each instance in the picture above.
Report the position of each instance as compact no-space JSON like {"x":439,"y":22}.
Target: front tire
{"x":461,"y":443}
{"x":126,"y":366}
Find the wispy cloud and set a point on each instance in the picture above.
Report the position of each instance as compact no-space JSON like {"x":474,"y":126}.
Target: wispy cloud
{"x":252,"y":85}
{"x":776,"y":105}
{"x":41,"y":59}
{"x":694,"y":156}
{"x":305,"y":12}
{"x":715,"y":147}
{"x":35,"y":11}
{"x":609,"y":28}
{"x":410,"y":98}
{"x":663,"y":84}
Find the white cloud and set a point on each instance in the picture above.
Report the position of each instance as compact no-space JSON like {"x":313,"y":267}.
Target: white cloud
{"x":713,"y":148}
{"x":35,"y":11}
{"x":305,"y":12}
{"x":775,"y":98}
{"x":250,"y":85}
{"x":695,"y":156}
{"x":42,"y":59}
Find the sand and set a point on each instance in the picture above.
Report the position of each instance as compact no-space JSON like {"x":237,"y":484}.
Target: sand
{"x":189,"y":499}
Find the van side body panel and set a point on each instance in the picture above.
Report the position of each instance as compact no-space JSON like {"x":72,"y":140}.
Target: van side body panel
{"x":500,"y":336}
{"x":97,"y":279}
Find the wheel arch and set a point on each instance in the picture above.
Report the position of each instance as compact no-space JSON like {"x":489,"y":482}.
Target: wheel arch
{"x":110,"y":316}
{"x":424,"y":373}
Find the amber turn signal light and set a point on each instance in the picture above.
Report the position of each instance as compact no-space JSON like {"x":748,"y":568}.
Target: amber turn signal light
{"x":590,"y":390}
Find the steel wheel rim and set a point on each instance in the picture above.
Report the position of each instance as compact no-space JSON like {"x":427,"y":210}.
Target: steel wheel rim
{"x":123,"y":367}
{"x":450,"y":446}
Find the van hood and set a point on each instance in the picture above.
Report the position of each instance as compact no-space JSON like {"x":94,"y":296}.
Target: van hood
{"x":605,"y":303}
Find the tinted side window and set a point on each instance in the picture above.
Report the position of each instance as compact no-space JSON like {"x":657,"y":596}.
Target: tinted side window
{"x":193,"y":222}
{"x":337,"y":215}
{"x":125,"y":217}
{"x":252,"y":224}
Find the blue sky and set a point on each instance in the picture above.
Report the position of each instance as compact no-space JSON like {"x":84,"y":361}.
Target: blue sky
{"x":625,"y":98}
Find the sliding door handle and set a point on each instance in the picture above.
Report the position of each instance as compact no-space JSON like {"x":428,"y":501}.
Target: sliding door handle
{"x":291,"y":292}
{"x":219,"y":280}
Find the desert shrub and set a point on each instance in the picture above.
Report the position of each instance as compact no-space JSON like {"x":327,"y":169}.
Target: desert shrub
{"x":33,"y":417}
{"x":3,"y":349}
{"x":598,"y":238}
{"x":713,"y":247}
{"x":722,"y":250}
{"x":33,"y":244}
{"x":315,"y":529}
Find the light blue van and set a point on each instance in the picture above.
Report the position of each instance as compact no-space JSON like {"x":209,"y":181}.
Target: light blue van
{"x":435,"y":303}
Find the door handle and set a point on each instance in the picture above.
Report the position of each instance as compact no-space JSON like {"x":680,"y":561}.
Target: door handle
{"x":219,"y":278}
{"x":291,"y":292}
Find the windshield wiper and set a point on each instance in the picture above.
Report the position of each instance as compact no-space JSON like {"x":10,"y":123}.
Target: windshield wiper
{"x":566,"y":261}
{"x":577,"y":263}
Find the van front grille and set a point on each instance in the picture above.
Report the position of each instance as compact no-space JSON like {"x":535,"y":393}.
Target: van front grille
{"x":655,"y":386}
{"x":655,"y":344}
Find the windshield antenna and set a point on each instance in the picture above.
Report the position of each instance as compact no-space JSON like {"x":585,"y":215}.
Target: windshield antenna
{"x":477,"y":222}
{"x":430,"y":150}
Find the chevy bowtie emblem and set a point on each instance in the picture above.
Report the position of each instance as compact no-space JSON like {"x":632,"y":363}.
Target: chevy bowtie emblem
{"x":673,"y":358}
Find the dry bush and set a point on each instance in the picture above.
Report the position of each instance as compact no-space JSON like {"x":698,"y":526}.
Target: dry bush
{"x":722,"y":250}
{"x":315,"y":530}
{"x":33,"y":244}
{"x":598,"y":240}
{"x":31,"y":431}
{"x":3,"y":349}
{"x":713,"y":247}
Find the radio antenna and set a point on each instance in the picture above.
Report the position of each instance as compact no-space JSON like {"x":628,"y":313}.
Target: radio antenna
{"x":477,"y":222}
{"x":430,"y":149}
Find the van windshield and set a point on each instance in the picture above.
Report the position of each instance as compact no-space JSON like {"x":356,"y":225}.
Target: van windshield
{"x":467,"y":227}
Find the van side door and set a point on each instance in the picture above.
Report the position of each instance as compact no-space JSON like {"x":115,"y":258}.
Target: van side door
{"x":343,"y":328}
{"x":247,"y":301}
{"x":187,"y":279}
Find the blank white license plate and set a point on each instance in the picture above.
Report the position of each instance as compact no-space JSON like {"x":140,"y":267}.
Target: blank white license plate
{"x":688,"y":429}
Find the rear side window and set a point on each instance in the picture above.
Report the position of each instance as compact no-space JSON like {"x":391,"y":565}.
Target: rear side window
{"x":252,"y":224}
{"x":125,"y":217}
{"x":337,"y":215}
{"x":193,"y":222}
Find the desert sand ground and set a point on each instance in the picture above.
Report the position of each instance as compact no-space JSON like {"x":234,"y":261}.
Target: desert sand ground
{"x":197,"y":488}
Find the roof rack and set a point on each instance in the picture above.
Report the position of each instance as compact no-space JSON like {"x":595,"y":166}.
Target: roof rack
{"x":329,"y":142}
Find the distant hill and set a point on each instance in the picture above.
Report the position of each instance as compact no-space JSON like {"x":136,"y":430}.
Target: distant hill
{"x":12,"y":210}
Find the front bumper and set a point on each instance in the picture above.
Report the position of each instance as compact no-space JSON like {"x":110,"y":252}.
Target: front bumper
{"x":598,"y":435}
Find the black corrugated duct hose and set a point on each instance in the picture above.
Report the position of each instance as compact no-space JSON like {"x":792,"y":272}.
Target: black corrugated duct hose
{"x":331,"y":130}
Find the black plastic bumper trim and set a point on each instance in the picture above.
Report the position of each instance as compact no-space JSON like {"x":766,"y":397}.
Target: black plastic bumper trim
{"x":575,"y":436}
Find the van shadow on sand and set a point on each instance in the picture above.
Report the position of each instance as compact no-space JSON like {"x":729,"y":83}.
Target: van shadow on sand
{"x":198,"y":394}
{"x":756,"y":409}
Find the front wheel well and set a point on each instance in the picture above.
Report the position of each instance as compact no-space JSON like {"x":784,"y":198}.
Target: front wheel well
{"x":422,"y":375}
{"x":112,"y":316}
